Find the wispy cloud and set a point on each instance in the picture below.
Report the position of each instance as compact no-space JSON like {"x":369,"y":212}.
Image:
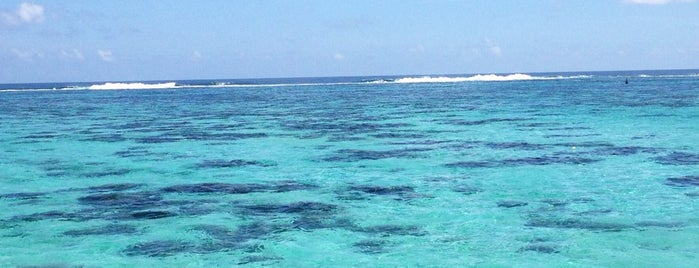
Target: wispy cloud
{"x":72,"y":54}
{"x":493,"y":47}
{"x":196,"y":55}
{"x":26,"y":54}
{"x":26,"y":13}
{"x":338,"y":56}
{"x":656,"y":2}
{"x":105,"y":55}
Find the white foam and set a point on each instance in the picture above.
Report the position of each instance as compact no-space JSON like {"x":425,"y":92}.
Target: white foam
{"x":484,"y":78}
{"x":108,"y":86}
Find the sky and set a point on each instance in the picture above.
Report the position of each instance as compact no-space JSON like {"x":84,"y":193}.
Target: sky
{"x":136,"y":40}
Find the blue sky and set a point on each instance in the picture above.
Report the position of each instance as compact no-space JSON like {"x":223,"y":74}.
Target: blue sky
{"x":58,"y":40}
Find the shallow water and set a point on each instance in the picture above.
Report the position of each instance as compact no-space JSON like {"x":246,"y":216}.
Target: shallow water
{"x":563,"y":173}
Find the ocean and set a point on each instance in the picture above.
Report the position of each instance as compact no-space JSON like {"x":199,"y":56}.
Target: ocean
{"x":597,"y":169}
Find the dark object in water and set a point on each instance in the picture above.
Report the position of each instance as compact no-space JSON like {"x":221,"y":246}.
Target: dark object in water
{"x":370,"y":246}
{"x":627,"y":81}
{"x":678,"y":158}
{"x":512,"y":204}
{"x":539,"y":248}
{"x":159,"y":248}
{"x":111,"y":229}
{"x":685,"y":181}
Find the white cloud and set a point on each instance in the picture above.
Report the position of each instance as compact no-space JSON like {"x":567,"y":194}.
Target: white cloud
{"x":417,"y":49}
{"x":72,"y":54}
{"x":493,"y":47}
{"x":26,"y":13}
{"x":496,"y":51}
{"x":24,"y":54}
{"x":338,"y":56}
{"x":196,"y":55}
{"x":655,"y":2}
{"x":105,"y":55}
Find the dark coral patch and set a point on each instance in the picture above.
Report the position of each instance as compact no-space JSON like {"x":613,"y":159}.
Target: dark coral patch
{"x":686,"y":181}
{"x":466,"y":189}
{"x":233,"y":163}
{"x":115,"y":187}
{"x":135,"y":200}
{"x":390,"y":229}
{"x":159,"y":248}
{"x":370,"y":246}
{"x":257,"y":258}
{"x":392,"y":135}
{"x":626,"y":150}
{"x":215,"y":187}
{"x":309,"y":208}
{"x":540,"y":248}
{"x":485,"y":121}
{"x":49,"y":215}
{"x":578,"y":224}
{"x":533,"y":161}
{"x":111,"y":229}
{"x":351,"y":155}
{"x":151,"y":214}
{"x":239,"y":188}
{"x":678,"y":159}
{"x":511,"y":203}
{"x":23,"y":196}
{"x":384,"y":190}
{"x":105,"y":173}
{"x":515,"y":145}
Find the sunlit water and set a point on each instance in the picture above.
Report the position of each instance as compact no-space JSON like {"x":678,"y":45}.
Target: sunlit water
{"x":579,"y":172}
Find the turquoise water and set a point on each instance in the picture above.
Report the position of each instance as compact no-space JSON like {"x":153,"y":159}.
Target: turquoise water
{"x":563,"y":172}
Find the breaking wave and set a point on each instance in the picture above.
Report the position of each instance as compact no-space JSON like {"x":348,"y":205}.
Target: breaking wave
{"x":483,"y":78}
{"x":108,"y":86}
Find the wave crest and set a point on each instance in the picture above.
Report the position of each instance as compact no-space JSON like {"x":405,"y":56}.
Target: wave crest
{"x":475,"y":78}
{"x":108,"y":86}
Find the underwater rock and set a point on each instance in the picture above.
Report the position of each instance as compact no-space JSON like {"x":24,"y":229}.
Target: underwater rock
{"x":466,"y":189}
{"x":515,"y":145}
{"x":128,"y":200}
{"x":216,"y":187}
{"x":678,"y":158}
{"x":352,"y":155}
{"x":384,"y":190}
{"x":49,"y":215}
{"x":234,"y":163}
{"x":686,"y":181}
{"x":540,"y":248}
{"x":257,"y":258}
{"x":370,"y":246}
{"x":511,"y":203}
{"x":111,"y":229}
{"x":391,"y":229}
{"x":23,"y":196}
{"x":578,"y":224}
{"x":158,"y":248}
{"x":662,"y":224}
{"x":113,"y":172}
{"x":555,"y":202}
{"x":308,"y":208}
{"x":151,"y":214}
{"x":114,"y":187}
